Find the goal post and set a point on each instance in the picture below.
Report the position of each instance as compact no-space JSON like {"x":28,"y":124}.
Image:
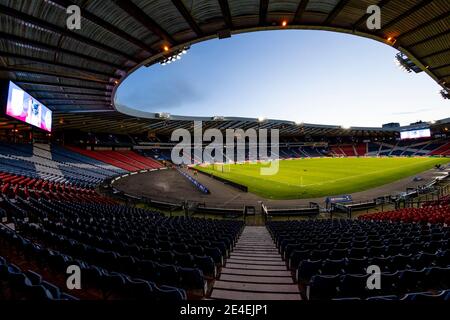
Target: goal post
{"x":221,"y":167}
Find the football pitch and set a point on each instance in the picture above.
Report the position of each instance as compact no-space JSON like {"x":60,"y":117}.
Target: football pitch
{"x":320,"y":177}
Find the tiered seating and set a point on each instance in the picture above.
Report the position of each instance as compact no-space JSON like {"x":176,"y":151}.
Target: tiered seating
{"x":13,"y":186}
{"x":330,"y":257}
{"x":343,"y":150}
{"x":336,"y":150}
{"x":442,"y":151}
{"x":73,"y":158}
{"x":146,"y":163}
{"x":101,"y":157}
{"x":443,"y":201}
{"x":18,"y":285}
{"x":361,"y":149}
{"x":127,"y":160}
{"x":122,"y":246}
{"x":313,"y":152}
{"x":429,"y":214}
{"x":348,"y":150}
{"x":37,"y":163}
{"x":159,"y":154}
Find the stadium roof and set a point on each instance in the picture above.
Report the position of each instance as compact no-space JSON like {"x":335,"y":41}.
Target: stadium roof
{"x":79,"y":71}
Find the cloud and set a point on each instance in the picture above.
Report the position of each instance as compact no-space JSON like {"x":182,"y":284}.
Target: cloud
{"x":411,"y":112}
{"x":165,"y":96}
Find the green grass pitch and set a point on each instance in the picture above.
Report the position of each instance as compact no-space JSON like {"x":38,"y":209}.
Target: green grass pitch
{"x":320,"y":177}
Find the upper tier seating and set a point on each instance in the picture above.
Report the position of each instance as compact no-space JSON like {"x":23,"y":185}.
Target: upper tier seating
{"x":330,"y":257}
{"x":76,"y":159}
{"x":40,"y":162}
{"x":127,"y":160}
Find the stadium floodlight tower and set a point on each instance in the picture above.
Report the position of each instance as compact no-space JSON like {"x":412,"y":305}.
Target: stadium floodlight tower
{"x":405,"y":63}
{"x":162,"y":115}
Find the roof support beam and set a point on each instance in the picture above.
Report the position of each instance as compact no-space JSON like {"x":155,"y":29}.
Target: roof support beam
{"x":423,"y":26}
{"x":68,"y":93}
{"x":440,"y":67}
{"x":52,"y":74}
{"x":27,"y":19}
{"x":107,"y":26}
{"x":226,"y":13}
{"x":139,"y":15}
{"x":333,"y":14}
{"x":300,"y":10}
{"x":263,"y":7}
{"x":406,"y":14}
{"x":59,"y":64}
{"x":187,"y":16}
{"x":60,"y":85}
{"x":436,"y":36}
{"x":75,"y":99}
{"x":435,"y":53}
{"x":48,"y":47}
{"x":79,"y":104}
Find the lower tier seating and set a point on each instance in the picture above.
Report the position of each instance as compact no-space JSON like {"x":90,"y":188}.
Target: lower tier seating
{"x":131,"y":246}
{"x":16,"y":284}
{"x":329,"y":258}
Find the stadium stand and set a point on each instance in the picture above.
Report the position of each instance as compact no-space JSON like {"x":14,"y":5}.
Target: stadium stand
{"x":443,"y":150}
{"x":169,"y":253}
{"x":126,"y":160}
{"x":37,"y":163}
{"x":429,"y":214}
{"x":329,"y":257}
{"x":28,"y":285}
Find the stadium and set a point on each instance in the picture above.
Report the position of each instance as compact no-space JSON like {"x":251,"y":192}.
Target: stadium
{"x":102,"y":200}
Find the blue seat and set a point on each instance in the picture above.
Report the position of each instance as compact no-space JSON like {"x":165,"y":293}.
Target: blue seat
{"x":411,"y":280}
{"x":138,"y":289}
{"x":389,"y":282}
{"x":167,"y":293}
{"x":437,"y":278}
{"x":356,"y":265}
{"x":191,"y":278}
{"x":401,"y":262}
{"x":425,"y":296}
{"x":383,"y":298}
{"x":168,"y":274}
{"x":322,"y":287}
{"x":206,"y":264}
{"x":307,"y":269}
{"x":353,"y":285}
{"x":333,"y":267}
{"x":298,"y":256}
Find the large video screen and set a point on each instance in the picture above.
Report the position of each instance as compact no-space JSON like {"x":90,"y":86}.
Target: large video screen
{"x":21,"y":106}
{"x":415,"y":134}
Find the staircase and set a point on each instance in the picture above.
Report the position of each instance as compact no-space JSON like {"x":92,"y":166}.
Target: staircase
{"x":255,"y":271}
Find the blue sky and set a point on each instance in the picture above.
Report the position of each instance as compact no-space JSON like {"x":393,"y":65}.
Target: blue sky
{"x":298,"y":75}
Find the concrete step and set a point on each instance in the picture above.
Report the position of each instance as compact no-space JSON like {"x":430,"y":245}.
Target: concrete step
{"x":243,"y":295}
{"x":253,"y":258}
{"x":257,"y":287}
{"x":267,"y":273}
{"x":256,"y":267}
{"x":256,"y":279}
{"x":263,"y":263}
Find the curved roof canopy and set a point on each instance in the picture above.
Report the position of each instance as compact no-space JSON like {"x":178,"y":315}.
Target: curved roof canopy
{"x":79,"y":70}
